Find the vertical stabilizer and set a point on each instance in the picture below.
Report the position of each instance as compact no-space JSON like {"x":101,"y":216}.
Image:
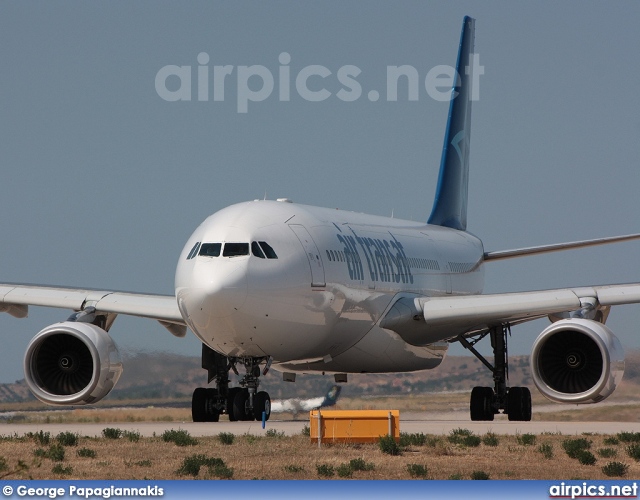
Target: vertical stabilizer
{"x":450,"y":205}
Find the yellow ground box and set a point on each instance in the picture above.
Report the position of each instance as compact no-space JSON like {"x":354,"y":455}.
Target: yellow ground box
{"x":353,"y":426}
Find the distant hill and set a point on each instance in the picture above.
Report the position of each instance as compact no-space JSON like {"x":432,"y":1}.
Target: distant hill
{"x":174,"y":377}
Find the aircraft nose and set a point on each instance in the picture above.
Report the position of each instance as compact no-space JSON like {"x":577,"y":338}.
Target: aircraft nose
{"x":221,"y":289}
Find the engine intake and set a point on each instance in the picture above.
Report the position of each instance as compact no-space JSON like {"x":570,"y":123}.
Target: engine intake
{"x":72,"y":363}
{"x":577,"y":361}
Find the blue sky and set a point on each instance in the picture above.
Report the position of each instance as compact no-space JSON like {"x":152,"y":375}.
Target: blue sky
{"x":103,"y":180}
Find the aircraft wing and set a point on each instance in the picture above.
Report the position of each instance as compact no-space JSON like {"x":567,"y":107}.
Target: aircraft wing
{"x":16,"y":298}
{"x":425,"y":320}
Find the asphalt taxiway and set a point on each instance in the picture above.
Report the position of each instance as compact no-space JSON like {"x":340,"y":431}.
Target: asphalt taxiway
{"x":411,"y":422}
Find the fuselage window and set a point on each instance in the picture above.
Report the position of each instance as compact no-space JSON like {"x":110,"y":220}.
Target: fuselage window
{"x":255,"y":250}
{"x":194,"y":251}
{"x":268,"y":251}
{"x":333,"y":256}
{"x":235,"y":249}
{"x":210,"y":249}
{"x":328,"y":255}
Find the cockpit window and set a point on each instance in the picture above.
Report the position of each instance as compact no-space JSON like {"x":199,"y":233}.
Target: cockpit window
{"x":255,"y":250}
{"x":210,"y":249}
{"x":235,"y":249}
{"x":194,"y":251}
{"x":268,"y":251}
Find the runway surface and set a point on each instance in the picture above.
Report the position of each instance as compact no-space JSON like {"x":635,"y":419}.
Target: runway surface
{"x":411,"y":422}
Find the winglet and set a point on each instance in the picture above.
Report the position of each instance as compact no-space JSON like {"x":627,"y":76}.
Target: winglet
{"x":450,"y":205}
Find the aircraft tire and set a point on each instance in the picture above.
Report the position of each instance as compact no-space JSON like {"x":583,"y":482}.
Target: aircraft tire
{"x":519,"y":404}
{"x":198,"y":405}
{"x":239,"y":404}
{"x":481,"y":405}
{"x":231,"y":395}
{"x":262,"y":403}
{"x":212,"y":412}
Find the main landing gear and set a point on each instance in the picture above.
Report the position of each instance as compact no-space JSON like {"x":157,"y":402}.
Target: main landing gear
{"x":487,"y":402}
{"x":240,"y":403}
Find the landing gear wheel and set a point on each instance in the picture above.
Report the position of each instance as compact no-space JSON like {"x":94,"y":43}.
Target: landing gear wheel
{"x":519,"y":404}
{"x":240,"y":404}
{"x":262,"y":403}
{"x":212,"y":412}
{"x":481,"y":406}
{"x":198,"y":405}
{"x":231,"y":395}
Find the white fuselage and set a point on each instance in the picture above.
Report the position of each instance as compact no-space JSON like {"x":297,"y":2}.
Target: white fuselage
{"x":316,"y":306}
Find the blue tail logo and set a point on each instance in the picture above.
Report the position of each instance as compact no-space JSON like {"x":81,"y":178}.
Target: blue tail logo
{"x":450,"y":205}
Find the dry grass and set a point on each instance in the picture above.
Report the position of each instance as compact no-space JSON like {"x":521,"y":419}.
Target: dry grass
{"x":296,"y":457}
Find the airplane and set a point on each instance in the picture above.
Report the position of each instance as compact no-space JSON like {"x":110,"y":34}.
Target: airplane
{"x":306,"y":289}
{"x":297,"y":405}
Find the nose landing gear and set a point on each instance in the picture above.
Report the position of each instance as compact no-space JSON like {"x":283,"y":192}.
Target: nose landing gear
{"x":240,"y":403}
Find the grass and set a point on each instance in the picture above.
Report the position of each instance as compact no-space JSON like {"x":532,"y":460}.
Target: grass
{"x":296,"y":457}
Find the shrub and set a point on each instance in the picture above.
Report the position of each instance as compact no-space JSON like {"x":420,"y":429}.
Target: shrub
{"x":293,"y":468}
{"x":573,"y":446}
{"x":472,"y":441}
{"x":344,"y":470}
{"x":191,"y":465}
{"x":324,"y":470}
{"x":455,"y":477}
{"x":67,"y":439}
{"x":629,"y":437}
{"x":272,"y":433}
{"x":306,"y":431}
{"x":86,"y":453}
{"x":479,"y":474}
{"x":586,"y":457}
{"x":3,"y":464}
{"x":633,"y":450}
{"x":389,"y":446}
{"x":417,"y":470}
{"x":359,"y":464}
{"x":526,"y":439}
{"x":417,"y":439}
{"x":42,"y":438}
{"x":133,"y":436}
{"x":547,"y":450}
{"x":179,"y":437}
{"x":457,"y":435}
{"x":221,"y":470}
{"x":56,"y":453}
{"x":490,"y":439}
{"x":607,"y":452}
{"x":615,"y":469}
{"x":59,"y":469}
{"x":611,"y":441}
{"x":111,"y":433}
{"x":226,"y":437}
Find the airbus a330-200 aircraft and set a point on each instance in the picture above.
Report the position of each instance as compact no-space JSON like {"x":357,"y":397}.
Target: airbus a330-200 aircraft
{"x":304,"y":289}
{"x":297,"y":405}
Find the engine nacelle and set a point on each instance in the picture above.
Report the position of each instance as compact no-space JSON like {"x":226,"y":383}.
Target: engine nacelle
{"x":577,"y":361}
{"x":72,"y":363}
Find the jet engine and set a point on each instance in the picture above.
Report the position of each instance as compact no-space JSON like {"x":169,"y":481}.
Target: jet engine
{"x":72,"y":363}
{"x":577,"y":361}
